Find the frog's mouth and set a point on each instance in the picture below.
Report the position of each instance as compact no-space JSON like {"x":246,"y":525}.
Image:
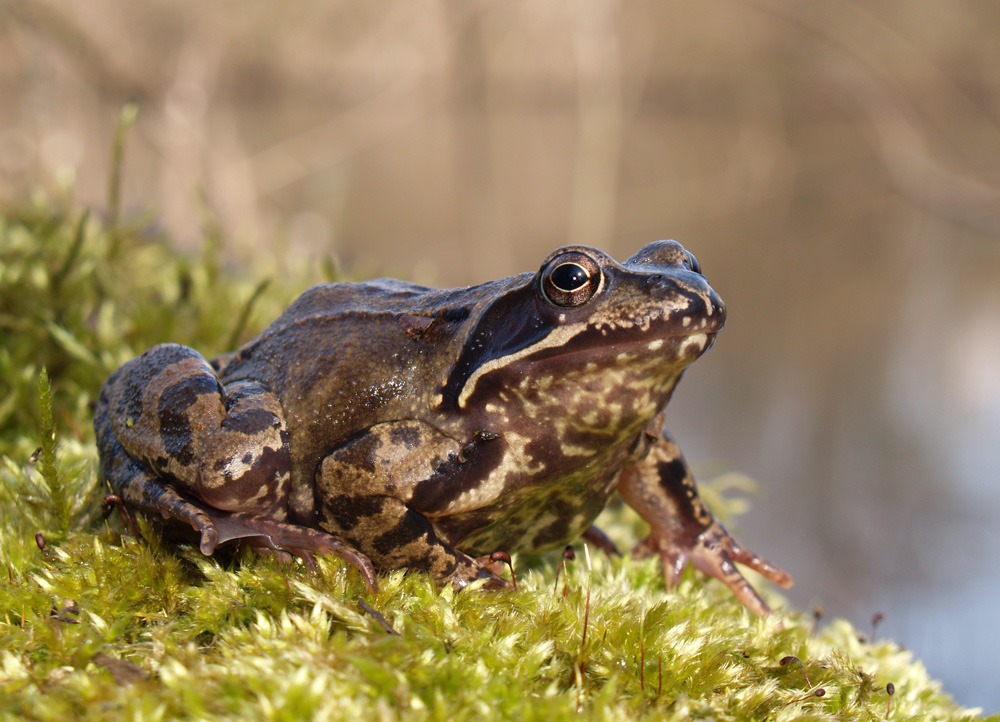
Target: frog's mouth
{"x":670,"y":354}
{"x":660,"y":341}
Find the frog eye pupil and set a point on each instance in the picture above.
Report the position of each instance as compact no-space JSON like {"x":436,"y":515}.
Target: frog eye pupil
{"x":569,"y":277}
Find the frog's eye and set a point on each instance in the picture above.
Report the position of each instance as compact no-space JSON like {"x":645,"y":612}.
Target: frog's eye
{"x":571,"y":279}
{"x":692,"y":262}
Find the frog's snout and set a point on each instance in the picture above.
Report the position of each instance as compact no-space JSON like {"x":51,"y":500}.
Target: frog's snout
{"x":716,"y":307}
{"x":713,"y":313}
{"x":697,"y":301}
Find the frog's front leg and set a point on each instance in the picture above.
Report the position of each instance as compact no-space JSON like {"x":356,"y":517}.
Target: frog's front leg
{"x":662,"y":490}
{"x":173,"y":439}
{"x":382,"y":489}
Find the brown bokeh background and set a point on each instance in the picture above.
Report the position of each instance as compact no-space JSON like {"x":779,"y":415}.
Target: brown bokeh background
{"x":835,"y":166}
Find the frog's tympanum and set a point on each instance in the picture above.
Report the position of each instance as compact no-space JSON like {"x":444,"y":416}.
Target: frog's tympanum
{"x":407,"y":427}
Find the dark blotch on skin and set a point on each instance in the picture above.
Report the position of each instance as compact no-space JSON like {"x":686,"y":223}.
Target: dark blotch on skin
{"x":510,"y":324}
{"x":407,"y":436}
{"x":270,"y":465}
{"x":362,"y":453}
{"x":175,"y":422}
{"x":454,"y":476}
{"x":456,"y":528}
{"x":455,"y":314}
{"x":250,"y":422}
{"x":671,"y":475}
{"x":176,"y":436}
{"x":435,"y":492}
{"x":410,"y":528}
{"x":671,"y":472}
{"x":558,"y":530}
{"x":346,"y":511}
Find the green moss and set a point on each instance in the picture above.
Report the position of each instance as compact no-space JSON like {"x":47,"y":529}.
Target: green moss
{"x":97,"y":625}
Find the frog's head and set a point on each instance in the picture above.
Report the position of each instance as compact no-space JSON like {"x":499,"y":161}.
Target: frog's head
{"x":587,"y":327}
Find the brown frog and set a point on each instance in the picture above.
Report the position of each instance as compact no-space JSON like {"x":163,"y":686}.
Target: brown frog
{"x":422,"y":428}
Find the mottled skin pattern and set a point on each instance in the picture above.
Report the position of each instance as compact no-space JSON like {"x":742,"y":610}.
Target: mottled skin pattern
{"x":423,"y":428}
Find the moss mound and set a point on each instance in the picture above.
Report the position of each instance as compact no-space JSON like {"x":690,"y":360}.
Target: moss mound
{"x":98,"y":625}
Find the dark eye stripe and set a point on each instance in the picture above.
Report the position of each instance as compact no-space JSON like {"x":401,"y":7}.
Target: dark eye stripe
{"x":506,"y":327}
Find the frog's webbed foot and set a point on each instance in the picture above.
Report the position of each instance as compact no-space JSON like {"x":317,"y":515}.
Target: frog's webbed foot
{"x":682,"y":529}
{"x":268,"y":534}
{"x":714,"y":552}
{"x":215,"y":527}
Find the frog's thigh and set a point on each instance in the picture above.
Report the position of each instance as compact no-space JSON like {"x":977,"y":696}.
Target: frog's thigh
{"x":365,"y":491}
{"x":226,"y":445}
{"x":140,"y":488}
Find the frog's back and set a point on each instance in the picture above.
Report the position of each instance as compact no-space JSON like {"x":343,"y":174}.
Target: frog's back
{"x":338,"y":329}
{"x":364,"y":345}
{"x":346,"y":356}
{"x":358,"y":300}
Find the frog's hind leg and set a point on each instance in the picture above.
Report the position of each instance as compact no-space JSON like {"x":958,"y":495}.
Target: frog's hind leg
{"x":226,"y":445}
{"x":173,"y":439}
{"x":215,"y":527}
{"x":140,"y":488}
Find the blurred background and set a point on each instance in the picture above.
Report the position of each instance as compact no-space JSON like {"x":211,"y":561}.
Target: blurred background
{"x":834,"y":165}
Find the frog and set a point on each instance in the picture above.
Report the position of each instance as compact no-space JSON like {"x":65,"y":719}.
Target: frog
{"x":398,"y":426}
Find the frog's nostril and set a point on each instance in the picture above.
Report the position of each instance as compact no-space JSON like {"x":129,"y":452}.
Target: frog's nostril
{"x":717,"y":306}
{"x":656,"y":283}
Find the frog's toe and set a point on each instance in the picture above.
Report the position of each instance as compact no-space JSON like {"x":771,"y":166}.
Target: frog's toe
{"x":209,"y":538}
{"x":602,"y":541}
{"x":762,"y":566}
{"x":172,"y":505}
{"x":303,"y":542}
{"x":716,"y":553}
{"x":472,"y":570}
{"x":355,"y":558}
{"x":673,"y":558}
